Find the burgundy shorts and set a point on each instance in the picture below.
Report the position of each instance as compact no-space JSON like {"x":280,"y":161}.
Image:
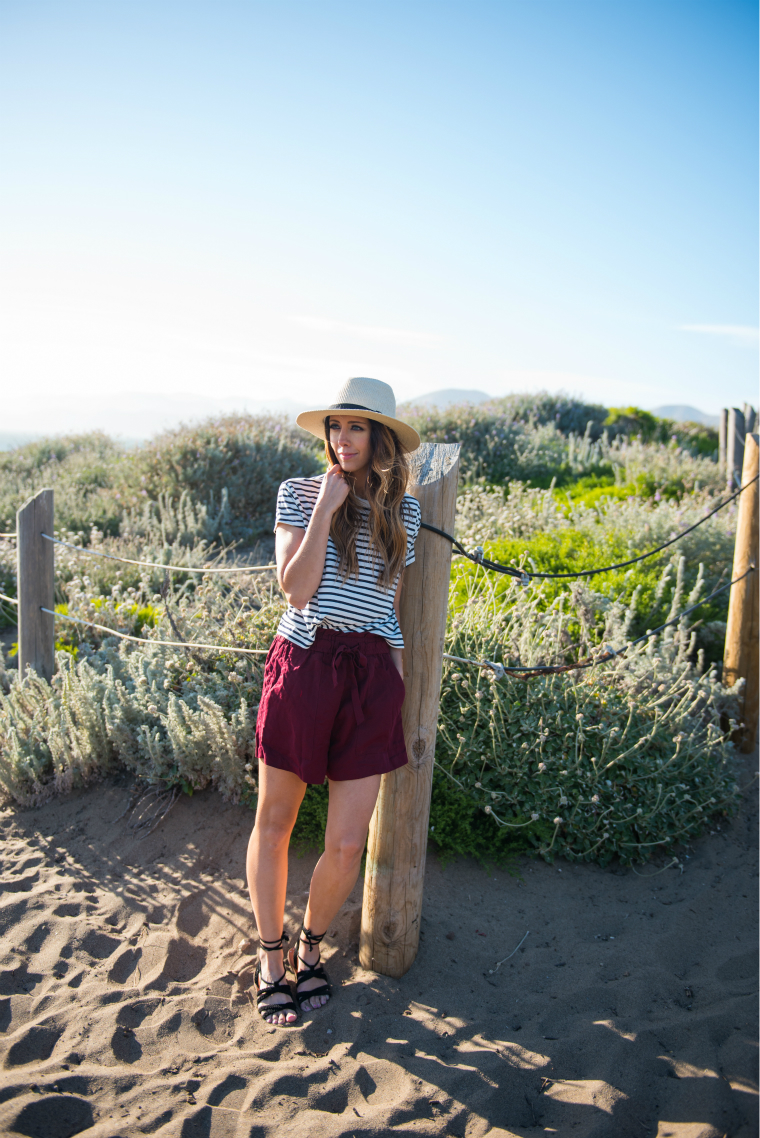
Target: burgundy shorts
{"x":333,"y":709}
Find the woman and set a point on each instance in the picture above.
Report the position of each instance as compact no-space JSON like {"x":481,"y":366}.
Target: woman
{"x":333,"y":682}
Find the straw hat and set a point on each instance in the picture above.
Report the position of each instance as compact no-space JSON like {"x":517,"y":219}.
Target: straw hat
{"x":373,"y":399}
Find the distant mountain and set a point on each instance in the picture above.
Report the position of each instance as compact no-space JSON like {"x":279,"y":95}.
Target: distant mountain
{"x":681,"y":413}
{"x":448,"y":396}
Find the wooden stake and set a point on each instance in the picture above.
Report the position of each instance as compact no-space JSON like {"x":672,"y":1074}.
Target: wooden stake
{"x":734,"y":447}
{"x":398,"y":835}
{"x":36,"y":587}
{"x":722,"y":429}
{"x":740,"y":659}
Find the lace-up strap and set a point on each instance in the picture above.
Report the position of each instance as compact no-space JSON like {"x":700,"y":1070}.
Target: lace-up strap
{"x":273,"y":945}
{"x":311,"y":938}
{"x":308,"y":971}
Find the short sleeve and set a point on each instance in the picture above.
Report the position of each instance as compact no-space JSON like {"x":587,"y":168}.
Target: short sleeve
{"x":412,"y":522}
{"x":289,"y":509}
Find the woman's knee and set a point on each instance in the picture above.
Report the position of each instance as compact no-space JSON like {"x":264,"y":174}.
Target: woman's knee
{"x":273,"y":830}
{"x":346,"y":849}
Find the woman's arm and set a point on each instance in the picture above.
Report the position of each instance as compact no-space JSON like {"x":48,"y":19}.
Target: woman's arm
{"x":397,"y":654}
{"x":300,"y":554}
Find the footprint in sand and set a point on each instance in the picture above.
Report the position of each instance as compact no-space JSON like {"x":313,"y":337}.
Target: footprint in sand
{"x":21,"y":884}
{"x":68,"y":909}
{"x":125,"y":1045}
{"x":230,"y":1092}
{"x":99,"y":945}
{"x":183,"y":962}
{"x":34,"y":1046}
{"x":132,"y":1015}
{"x":54,"y":1116}
{"x":124,"y":966}
{"x":191,"y":917}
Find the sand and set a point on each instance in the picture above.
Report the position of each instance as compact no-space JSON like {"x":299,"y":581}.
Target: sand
{"x":125,"y":1008}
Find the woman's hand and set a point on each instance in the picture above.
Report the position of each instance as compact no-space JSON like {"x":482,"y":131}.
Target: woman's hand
{"x":333,"y":491}
{"x":301,"y":553}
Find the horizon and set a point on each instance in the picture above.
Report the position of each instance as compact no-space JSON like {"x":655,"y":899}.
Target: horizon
{"x":10,"y":440}
{"x":247,"y":203}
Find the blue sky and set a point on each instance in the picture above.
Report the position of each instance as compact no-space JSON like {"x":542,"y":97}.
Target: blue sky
{"x":246,"y":201}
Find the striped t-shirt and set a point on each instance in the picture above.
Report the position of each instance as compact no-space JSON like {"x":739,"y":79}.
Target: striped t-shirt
{"x":347,"y":605}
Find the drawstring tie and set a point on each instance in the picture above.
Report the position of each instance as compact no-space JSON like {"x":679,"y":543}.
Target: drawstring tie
{"x":354,"y":657}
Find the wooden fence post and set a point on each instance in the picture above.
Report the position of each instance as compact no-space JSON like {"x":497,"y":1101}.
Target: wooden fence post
{"x":36,"y":586}
{"x":734,"y":447}
{"x":722,"y":430}
{"x":398,"y":835}
{"x":750,"y":418}
{"x":741,"y":652}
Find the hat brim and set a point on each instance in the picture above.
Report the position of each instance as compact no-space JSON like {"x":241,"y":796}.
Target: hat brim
{"x":314,"y":423}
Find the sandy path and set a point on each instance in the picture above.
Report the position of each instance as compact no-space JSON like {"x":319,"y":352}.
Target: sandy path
{"x":630,"y":1009}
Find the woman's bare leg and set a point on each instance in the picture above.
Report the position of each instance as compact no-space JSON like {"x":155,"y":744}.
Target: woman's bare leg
{"x":335,"y":874}
{"x":280,"y":795}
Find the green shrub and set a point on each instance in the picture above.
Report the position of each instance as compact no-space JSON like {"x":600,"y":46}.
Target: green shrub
{"x":503,"y":441}
{"x":498,"y":448}
{"x":570,"y":416}
{"x":647,"y":586}
{"x":459,"y":827}
{"x":171,"y":717}
{"x":231,"y":467}
{"x":84,"y":470}
{"x":624,"y":759}
{"x":246,"y":456}
{"x":634,"y":421}
{"x":694,"y":437}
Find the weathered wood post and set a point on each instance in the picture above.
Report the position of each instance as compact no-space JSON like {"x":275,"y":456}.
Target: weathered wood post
{"x":741,"y":652}
{"x":722,"y":429}
{"x":36,"y":586}
{"x":398,"y":834}
{"x":750,"y":418}
{"x":734,"y":447}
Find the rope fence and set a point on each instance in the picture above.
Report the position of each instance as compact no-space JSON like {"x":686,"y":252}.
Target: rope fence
{"x":522,"y":575}
{"x":499,"y":670}
{"x":525,"y":578}
{"x":163,"y":643}
{"x":608,"y":652}
{"x":141,"y":639}
{"x":157,"y":564}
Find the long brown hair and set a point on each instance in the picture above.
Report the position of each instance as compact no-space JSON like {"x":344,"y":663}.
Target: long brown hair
{"x":387,"y":480}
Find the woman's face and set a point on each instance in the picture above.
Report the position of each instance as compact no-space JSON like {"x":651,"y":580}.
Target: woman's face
{"x":350,"y":441}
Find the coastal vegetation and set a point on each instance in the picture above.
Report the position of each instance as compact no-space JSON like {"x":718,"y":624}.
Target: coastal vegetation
{"x":624,"y":759}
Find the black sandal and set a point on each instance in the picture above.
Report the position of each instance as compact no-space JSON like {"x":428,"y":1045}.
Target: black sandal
{"x":309,"y":972}
{"x":267,"y":988}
